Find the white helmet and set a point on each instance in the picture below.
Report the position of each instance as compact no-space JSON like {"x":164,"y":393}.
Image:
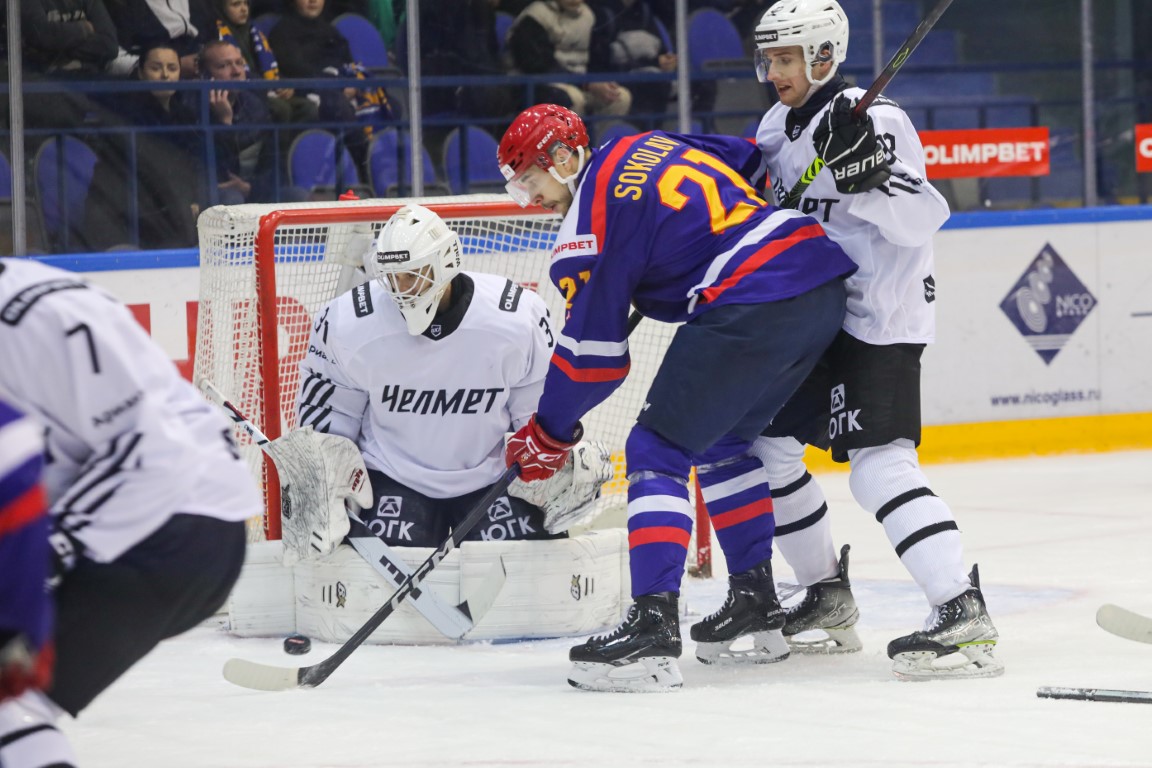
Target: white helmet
{"x":415,"y":258}
{"x":819,"y":27}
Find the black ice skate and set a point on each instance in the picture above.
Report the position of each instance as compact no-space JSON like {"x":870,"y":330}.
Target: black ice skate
{"x":750,"y":609}
{"x":828,"y":606}
{"x":638,"y":656}
{"x":961,"y":637}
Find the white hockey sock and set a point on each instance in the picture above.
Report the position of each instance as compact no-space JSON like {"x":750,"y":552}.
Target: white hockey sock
{"x":28,"y":734}
{"x":803,"y":530}
{"x":888,"y":483}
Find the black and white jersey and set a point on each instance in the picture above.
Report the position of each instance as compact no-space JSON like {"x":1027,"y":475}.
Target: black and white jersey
{"x":129,"y":443}
{"x":887,"y":231}
{"x":428,"y":411}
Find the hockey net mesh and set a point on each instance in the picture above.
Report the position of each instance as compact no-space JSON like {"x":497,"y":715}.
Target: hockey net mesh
{"x":266,"y":269}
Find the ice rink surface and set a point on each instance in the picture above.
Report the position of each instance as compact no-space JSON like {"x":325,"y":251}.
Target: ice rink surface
{"x":1054,"y":537}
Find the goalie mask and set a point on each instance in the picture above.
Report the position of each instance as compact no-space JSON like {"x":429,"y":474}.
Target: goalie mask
{"x":819,"y":27}
{"x":541,"y":136}
{"x":415,"y":258}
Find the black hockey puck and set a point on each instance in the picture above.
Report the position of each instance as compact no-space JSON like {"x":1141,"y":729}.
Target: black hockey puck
{"x":297,"y":645}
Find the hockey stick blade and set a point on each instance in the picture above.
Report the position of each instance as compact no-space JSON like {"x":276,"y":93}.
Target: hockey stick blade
{"x":1124,"y":623}
{"x":263,"y":677}
{"x":878,"y":85}
{"x":1095,"y":694}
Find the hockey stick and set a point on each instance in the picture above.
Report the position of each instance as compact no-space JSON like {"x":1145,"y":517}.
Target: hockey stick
{"x":1095,"y":694}
{"x":1124,"y":623}
{"x":265,"y":677}
{"x":451,"y":621}
{"x":874,"y":90}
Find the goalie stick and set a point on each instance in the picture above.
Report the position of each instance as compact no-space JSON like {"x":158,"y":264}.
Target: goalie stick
{"x":1124,"y":623}
{"x":874,"y":90}
{"x":265,"y":677}
{"x":1095,"y":694}
{"x":451,"y":621}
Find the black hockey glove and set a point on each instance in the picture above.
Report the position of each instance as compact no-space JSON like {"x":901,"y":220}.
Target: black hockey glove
{"x":850,"y":148}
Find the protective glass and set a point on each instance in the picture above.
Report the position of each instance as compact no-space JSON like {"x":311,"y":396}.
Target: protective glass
{"x":525,"y":187}
{"x":762,"y":61}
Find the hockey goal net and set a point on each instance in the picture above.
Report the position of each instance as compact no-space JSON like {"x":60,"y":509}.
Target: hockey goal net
{"x":265,"y":270}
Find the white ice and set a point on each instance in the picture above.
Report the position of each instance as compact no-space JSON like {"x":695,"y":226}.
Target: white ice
{"x":1054,"y":537}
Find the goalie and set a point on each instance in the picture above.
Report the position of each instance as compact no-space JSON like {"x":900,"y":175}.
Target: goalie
{"x":424,"y":368}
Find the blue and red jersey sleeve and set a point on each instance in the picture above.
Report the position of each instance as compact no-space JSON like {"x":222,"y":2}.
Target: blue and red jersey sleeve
{"x":25,"y":606}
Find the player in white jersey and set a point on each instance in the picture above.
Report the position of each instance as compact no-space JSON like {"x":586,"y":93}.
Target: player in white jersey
{"x":146,"y":491}
{"x":864,"y":399}
{"x":427,"y":368}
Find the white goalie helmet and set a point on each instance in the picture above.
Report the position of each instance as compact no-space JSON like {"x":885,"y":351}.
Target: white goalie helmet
{"x":415,"y":257}
{"x":819,"y":27}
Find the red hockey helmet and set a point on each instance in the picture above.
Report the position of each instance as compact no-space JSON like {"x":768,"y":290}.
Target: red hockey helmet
{"x":535,"y":138}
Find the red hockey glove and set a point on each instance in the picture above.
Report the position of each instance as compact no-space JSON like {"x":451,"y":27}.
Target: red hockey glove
{"x":539,"y":454}
{"x":23,"y":667}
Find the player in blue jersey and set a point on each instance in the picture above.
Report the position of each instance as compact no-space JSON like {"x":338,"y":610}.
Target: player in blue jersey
{"x":669,"y":224}
{"x":26,"y":649}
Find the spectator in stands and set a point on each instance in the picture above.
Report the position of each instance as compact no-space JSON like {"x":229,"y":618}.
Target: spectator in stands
{"x":556,"y":36}
{"x":66,"y":37}
{"x":626,"y":38}
{"x":243,"y":157}
{"x":182,"y":24}
{"x":458,"y":37}
{"x":63,"y":40}
{"x":167,"y":164}
{"x":233,"y":25}
{"x":309,"y":46}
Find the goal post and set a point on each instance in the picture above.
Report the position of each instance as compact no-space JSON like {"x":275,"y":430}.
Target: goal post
{"x":266,"y":269}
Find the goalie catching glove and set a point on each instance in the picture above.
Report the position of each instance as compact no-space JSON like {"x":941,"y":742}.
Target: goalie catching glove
{"x":567,"y":496}
{"x":318,"y":474}
{"x":848,"y":145}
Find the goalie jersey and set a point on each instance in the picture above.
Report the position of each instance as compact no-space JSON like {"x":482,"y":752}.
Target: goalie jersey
{"x":887,"y":231}
{"x":672,"y":225}
{"x":128,"y":442}
{"x":428,"y":411}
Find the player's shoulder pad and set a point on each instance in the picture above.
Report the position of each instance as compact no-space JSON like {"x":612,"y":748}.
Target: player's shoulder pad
{"x":20,"y":303}
{"x":361,"y":297}
{"x":884,"y":101}
{"x":509,"y":299}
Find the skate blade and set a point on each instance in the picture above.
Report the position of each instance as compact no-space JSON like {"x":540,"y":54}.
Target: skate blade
{"x":649,"y":674}
{"x":836,"y":640}
{"x":766,"y":648}
{"x":972,"y":661}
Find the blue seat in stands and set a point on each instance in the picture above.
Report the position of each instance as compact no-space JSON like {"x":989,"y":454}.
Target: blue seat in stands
{"x":390,"y":163}
{"x":312,"y":163}
{"x":470,"y":161}
{"x":503,"y":24}
{"x":5,"y":178}
{"x":714,"y":42}
{"x":364,"y":39}
{"x":62,"y":169}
